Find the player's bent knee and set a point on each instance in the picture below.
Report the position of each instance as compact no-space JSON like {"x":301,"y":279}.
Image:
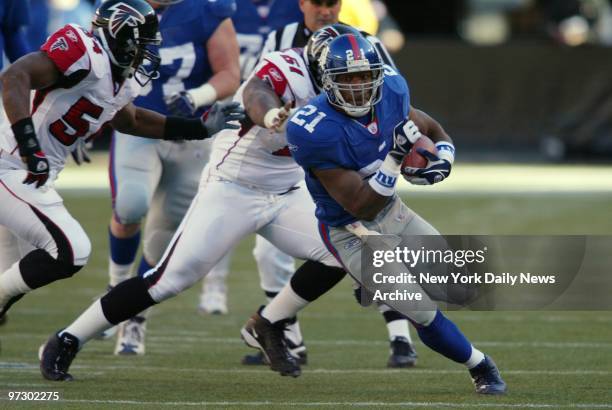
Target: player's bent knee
{"x":423,"y":318}
{"x":131,"y":203}
{"x":38,"y":269}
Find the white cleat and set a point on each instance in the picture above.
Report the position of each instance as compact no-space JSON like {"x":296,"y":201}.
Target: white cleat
{"x":213,"y":302}
{"x":131,"y":337}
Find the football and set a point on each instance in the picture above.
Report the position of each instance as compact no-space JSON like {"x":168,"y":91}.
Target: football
{"x":416,"y":160}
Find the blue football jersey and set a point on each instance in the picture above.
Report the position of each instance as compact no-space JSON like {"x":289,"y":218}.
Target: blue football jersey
{"x":185,"y":28}
{"x":254,"y":20}
{"x":14,"y":16}
{"x":321,"y":137}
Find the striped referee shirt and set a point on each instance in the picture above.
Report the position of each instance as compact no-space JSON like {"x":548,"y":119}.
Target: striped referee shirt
{"x":297,"y":34}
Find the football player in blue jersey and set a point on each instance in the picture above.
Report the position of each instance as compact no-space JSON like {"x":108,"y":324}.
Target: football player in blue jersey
{"x":199,"y":65}
{"x":254,"y":20}
{"x":14,"y":18}
{"x":351,"y":143}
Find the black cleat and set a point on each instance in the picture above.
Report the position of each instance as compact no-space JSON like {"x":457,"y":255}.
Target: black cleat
{"x":7,"y":306}
{"x":402,"y":354}
{"x":269,"y":338}
{"x":57,"y":355}
{"x":486,"y":378}
{"x":258,"y":359}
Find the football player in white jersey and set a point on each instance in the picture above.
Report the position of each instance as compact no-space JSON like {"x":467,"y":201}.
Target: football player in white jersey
{"x":83,"y":80}
{"x":251,"y":184}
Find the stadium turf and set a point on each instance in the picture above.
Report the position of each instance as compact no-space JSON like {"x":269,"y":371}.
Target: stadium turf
{"x":549,"y":359}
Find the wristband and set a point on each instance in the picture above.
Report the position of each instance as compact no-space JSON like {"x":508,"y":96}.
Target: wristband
{"x":203,"y":95}
{"x":446,"y":150}
{"x":23,"y":130}
{"x":383,"y":182}
{"x":179,"y":128}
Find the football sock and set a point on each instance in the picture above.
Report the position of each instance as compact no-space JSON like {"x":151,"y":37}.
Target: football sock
{"x":270,"y":295}
{"x":122,"y":254}
{"x":143,"y":267}
{"x":475,"y":358}
{"x":285,"y":305}
{"x":293,"y":331}
{"x":91,"y":323}
{"x":12,"y":283}
{"x":444,"y":337}
{"x":397,"y":325}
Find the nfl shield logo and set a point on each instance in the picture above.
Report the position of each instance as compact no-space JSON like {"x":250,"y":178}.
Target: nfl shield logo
{"x":373,"y":127}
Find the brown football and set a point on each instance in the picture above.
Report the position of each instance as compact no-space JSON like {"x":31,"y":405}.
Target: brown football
{"x":416,"y":160}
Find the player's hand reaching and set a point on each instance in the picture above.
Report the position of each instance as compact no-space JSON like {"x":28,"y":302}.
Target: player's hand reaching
{"x":220,"y":115}
{"x":437,"y":170}
{"x":80,"y":153}
{"x":38,"y":168}
{"x":405,"y":135}
{"x":181,"y":104}
{"x":276,"y":118}
{"x":30,"y":152}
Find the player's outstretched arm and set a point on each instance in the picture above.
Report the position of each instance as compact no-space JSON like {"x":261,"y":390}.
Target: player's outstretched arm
{"x":263,"y":105}
{"x":150,"y":124}
{"x":33,"y":71}
{"x":349,"y":189}
{"x":223,"y":57}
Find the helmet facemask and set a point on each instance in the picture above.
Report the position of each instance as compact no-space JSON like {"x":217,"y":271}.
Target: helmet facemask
{"x":355,"y":97}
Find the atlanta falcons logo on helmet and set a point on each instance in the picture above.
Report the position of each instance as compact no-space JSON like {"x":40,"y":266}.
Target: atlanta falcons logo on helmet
{"x":123,"y":14}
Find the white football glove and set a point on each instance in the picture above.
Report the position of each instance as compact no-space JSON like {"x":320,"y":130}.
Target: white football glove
{"x":276,"y":118}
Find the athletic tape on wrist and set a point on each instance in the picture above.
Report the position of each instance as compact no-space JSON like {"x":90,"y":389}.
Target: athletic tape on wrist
{"x":446,"y":151}
{"x":204,"y":95}
{"x":383,"y":182}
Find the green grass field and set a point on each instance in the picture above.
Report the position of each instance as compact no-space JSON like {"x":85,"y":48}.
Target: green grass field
{"x":550,"y":360}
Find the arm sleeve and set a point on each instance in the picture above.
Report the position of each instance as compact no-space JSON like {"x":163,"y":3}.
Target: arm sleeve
{"x":67,"y":51}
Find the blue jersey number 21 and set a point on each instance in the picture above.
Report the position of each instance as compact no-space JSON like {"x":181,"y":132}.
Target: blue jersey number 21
{"x":308,"y":111}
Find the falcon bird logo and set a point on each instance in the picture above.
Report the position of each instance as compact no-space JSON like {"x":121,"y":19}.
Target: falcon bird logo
{"x":123,"y":14}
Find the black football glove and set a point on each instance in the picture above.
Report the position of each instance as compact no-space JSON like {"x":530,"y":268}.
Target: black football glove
{"x":30,"y":152}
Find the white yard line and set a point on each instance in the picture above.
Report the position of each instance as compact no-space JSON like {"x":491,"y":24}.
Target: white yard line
{"x":30,"y":367}
{"x":344,"y":404}
{"x":193,"y":337}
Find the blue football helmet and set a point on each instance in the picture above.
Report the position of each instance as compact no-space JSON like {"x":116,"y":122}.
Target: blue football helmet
{"x":347,"y":62}
{"x":317,"y":42}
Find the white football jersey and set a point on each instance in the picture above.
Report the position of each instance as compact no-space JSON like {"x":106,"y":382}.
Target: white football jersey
{"x":256,"y":156}
{"x":85,"y":98}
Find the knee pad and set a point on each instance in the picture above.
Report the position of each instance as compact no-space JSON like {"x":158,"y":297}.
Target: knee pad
{"x":313,"y":279}
{"x":131,"y":203}
{"x":38,"y":269}
{"x":126,"y":300}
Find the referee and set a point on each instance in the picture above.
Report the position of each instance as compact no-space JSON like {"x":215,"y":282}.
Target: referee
{"x":317,"y":14}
